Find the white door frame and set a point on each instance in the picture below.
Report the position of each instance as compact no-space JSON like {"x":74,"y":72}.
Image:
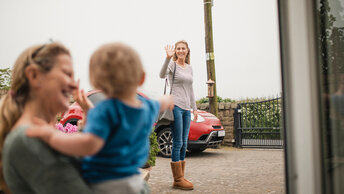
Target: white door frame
{"x":301,"y":96}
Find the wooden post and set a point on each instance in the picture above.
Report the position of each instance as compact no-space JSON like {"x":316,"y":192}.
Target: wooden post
{"x":210,"y":54}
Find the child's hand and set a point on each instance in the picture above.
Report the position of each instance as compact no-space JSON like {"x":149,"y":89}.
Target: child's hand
{"x":80,"y":97}
{"x":41,"y":129}
{"x":166,"y":102}
{"x":81,"y":122}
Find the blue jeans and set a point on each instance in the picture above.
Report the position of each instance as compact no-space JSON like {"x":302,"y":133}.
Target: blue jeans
{"x":180,"y":133}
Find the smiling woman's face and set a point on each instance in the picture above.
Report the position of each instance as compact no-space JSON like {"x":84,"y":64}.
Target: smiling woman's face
{"x":181,"y":51}
{"x":57,"y":85}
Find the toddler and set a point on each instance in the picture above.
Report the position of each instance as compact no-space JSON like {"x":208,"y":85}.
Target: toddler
{"x":115,"y":139}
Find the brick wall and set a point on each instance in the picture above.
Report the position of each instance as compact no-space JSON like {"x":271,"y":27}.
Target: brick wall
{"x":226,"y":116}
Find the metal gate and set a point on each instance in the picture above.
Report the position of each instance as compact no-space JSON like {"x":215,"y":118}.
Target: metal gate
{"x":258,"y":124}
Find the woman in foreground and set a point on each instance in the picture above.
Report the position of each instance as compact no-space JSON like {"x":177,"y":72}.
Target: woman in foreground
{"x":42,"y":81}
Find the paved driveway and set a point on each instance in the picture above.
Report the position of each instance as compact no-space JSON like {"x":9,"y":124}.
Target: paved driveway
{"x":225,"y":170}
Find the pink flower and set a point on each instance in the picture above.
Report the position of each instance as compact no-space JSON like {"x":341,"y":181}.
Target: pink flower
{"x":60,"y":127}
{"x":69,"y":128}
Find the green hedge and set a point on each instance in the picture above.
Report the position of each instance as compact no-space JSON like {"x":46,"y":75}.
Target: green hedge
{"x":262,"y":114}
{"x":263,"y":117}
{"x":154,"y":149}
{"x":219,"y":99}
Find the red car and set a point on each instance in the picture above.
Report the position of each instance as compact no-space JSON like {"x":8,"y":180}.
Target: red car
{"x":206,"y":132}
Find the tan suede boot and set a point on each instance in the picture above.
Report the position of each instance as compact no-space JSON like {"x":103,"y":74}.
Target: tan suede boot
{"x":179,"y":181}
{"x":183,"y":170}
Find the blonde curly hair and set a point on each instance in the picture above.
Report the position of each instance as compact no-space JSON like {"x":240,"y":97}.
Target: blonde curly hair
{"x":115,"y":68}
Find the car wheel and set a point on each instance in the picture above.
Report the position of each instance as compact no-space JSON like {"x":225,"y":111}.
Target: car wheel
{"x":165,"y":142}
{"x":196,"y":150}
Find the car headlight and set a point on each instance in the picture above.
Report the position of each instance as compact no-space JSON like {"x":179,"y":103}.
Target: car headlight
{"x":199,"y":118}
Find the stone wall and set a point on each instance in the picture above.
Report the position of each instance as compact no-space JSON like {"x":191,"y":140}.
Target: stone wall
{"x":226,"y":116}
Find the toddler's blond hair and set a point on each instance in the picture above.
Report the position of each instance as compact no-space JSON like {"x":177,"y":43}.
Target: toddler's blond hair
{"x":115,"y":68}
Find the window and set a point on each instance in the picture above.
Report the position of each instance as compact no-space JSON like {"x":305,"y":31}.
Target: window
{"x":330,"y":35}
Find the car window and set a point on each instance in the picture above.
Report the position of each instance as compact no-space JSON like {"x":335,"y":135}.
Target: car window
{"x":96,"y":97}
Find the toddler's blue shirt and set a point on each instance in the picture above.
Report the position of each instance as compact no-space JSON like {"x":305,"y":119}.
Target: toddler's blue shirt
{"x":126,"y":131}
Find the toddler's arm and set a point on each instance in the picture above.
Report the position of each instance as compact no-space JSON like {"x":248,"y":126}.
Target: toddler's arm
{"x":74,"y":144}
{"x":166,"y":102}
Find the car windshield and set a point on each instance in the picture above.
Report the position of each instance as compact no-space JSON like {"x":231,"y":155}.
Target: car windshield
{"x":96,"y":97}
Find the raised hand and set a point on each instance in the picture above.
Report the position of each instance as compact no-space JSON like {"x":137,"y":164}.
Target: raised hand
{"x":80,"y":97}
{"x":169,"y":50}
{"x":166,"y":102}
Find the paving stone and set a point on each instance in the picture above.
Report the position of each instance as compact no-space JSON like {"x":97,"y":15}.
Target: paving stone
{"x":226,"y":170}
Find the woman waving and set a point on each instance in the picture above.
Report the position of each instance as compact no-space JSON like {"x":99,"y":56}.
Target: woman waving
{"x":184,"y":101}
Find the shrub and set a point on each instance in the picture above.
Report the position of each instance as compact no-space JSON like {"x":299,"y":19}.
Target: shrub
{"x":5,"y":79}
{"x":203,"y":100}
{"x":219,"y":99}
{"x":261,"y":118}
{"x":58,"y":117}
{"x":153,"y":150}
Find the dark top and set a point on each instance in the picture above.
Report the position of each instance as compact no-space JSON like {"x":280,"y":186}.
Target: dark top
{"x":31,"y":167}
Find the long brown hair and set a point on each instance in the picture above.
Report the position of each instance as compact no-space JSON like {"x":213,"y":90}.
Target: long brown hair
{"x":12,"y":104}
{"x":187,"y":58}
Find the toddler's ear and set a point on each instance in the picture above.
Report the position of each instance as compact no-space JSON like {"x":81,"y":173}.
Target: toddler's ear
{"x":143,"y":77}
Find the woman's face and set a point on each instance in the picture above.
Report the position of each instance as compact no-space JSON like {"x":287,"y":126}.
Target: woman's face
{"x":57,"y":85}
{"x":181,"y":51}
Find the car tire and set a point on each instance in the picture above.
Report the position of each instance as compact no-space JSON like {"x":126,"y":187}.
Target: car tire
{"x":165,"y":142}
{"x":196,"y":150}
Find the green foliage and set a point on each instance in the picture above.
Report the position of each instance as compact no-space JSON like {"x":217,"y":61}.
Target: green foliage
{"x":331,"y":43}
{"x":265,"y":114}
{"x":154,"y":149}
{"x":228,"y":100}
{"x":5,"y":79}
{"x":203,"y":100}
{"x":58,"y":117}
{"x":264,"y":117}
{"x":219,"y":99}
